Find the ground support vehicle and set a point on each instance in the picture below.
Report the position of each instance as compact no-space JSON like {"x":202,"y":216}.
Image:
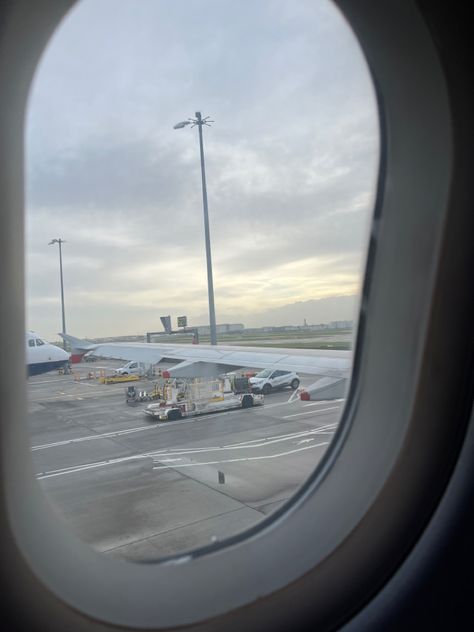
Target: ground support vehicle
{"x":193,"y":397}
{"x":133,"y":396}
{"x":117,"y":379}
{"x":239,"y":383}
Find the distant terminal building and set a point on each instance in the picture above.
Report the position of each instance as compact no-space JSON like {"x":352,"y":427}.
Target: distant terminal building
{"x":226,"y":328}
{"x":335,"y":324}
{"x":341,"y":324}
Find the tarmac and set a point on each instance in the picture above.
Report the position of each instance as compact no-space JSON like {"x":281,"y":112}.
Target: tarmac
{"x":141,"y":490}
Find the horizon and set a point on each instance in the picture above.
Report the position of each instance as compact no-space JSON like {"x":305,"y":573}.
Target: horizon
{"x":245,"y":329}
{"x":350,"y":316}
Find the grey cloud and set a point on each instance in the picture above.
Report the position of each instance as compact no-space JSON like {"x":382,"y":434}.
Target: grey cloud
{"x":314,"y":311}
{"x":110,"y":175}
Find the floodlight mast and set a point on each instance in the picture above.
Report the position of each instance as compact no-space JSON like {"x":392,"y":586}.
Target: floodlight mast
{"x":60,"y":242}
{"x":181,"y":124}
{"x":199,"y":122}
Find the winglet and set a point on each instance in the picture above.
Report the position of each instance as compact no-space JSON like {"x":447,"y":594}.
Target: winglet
{"x":77,"y":344}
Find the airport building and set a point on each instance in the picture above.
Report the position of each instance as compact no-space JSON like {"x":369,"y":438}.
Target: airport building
{"x":226,"y":328}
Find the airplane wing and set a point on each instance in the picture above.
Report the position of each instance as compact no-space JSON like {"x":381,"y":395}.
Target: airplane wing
{"x":210,"y":360}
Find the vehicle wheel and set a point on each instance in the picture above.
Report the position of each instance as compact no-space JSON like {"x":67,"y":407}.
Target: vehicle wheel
{"x":294,"y":384}
{"x":247,"y":401}
{"x":174,"y":414}
{"x":267,"y":388}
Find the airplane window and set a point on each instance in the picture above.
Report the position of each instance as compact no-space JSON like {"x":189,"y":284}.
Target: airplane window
{"x":31,"y":342}
{"x":193,"y":442}
{"x":385,"y":495}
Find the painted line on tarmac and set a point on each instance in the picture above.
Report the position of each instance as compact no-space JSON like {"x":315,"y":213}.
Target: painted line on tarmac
{"x":328,"y":429}
{"x":242,"y":459}
{"x":119,"y":433}
{"x":105,"y":435}
{"x":56,"y":381}
{"x":325,"y":401}
{"x":322,"y":402}
{"x":292,"y":435}
{"x":160,"y":456}
{"x":84,"y":395}
{"x":312,"y":412}
{"x":89,"y":466}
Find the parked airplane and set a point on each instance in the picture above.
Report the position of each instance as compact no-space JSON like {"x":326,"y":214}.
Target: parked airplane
{"x":42,"y":356}
{"x":331,"y":368}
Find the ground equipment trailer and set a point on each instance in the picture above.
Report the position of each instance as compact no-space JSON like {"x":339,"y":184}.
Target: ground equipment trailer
{"x":192,"y":397}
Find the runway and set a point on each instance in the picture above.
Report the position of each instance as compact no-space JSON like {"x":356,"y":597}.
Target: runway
{"x":141,"y":490}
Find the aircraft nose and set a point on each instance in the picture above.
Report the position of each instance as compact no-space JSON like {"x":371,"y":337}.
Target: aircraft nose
{"x":62,"y":355}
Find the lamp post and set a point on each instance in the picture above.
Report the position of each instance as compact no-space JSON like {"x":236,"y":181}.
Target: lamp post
{"x":60,"y":242}
{"x":199,"y":122}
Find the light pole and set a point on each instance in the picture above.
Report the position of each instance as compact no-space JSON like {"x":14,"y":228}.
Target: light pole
{"x":60,"y":242}
{"x":199,"y":122}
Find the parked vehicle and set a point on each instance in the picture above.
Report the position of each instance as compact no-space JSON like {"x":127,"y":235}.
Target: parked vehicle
{"x":270,"y":379}
{"x":131,"y":368}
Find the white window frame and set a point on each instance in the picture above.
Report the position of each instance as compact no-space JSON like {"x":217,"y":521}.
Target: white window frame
{"x":322,"y":551}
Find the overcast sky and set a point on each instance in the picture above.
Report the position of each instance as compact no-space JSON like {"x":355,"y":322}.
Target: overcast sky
{"x":291,"y":162}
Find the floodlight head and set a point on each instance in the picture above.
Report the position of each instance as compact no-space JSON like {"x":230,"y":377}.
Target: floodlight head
{"x":181,"y":124}
{"x":53,"y":241}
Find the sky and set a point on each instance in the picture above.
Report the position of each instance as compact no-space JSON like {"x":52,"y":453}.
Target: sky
{"x":291,"y":164}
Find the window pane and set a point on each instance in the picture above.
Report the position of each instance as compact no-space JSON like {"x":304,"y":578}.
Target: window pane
{"x":196,"y":442}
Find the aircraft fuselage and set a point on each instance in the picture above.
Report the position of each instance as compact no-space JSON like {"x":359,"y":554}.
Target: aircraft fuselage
{"x":42,"y":356}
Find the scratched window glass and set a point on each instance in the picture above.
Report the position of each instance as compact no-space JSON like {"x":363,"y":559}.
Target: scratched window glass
{"x":200,"y":179}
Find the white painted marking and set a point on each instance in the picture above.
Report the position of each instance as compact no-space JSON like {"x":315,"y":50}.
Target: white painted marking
{"x":165,"y":455}
{"x":248,"y":458}
{"x":326,"y":401}
{"x":59,"y":379}
{"x":311,"y":412}
{"x":90,"y":396}
{"x":275,"y":404}
{"x":292,"y":435}
{"x":89,"y":466}
{"x":293,"y":397}
{"x":246,"y":444}
{"x":106,"y":435}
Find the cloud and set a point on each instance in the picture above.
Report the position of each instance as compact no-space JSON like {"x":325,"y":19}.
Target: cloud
{"x":291,"y":161}
{"x":112,"y":175}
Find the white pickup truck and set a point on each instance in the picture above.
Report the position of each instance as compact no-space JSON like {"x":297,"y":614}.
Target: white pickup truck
{"x":131,"y":368}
